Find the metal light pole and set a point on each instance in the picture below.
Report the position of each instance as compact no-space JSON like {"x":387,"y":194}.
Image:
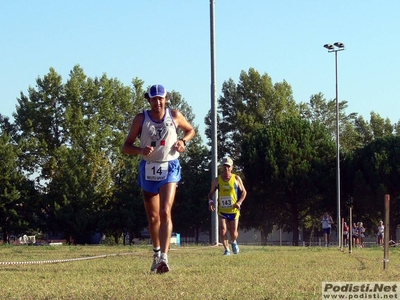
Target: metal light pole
{"x":214,"y":147}
{"x":336,"y":47}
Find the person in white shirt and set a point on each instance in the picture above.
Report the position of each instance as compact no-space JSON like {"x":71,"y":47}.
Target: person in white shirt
{"x":381,"y":229}
{"x":326,"y":222}
{"x":159,"y":169}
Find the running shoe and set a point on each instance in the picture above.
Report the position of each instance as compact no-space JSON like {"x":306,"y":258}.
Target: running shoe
{"x":235,"y":248}
{"x":162,"y":266}
{"x":227,"y":252}
{"x":156,"y":258}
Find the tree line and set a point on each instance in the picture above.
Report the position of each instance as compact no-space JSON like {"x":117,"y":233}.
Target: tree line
{"x":63,"y":172}
{"x":286,"y":152}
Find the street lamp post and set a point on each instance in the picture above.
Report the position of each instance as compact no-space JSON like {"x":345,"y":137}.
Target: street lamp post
{"x":336,"y":47}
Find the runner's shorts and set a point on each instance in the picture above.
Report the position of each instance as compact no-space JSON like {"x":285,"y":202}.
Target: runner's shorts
{"x":153,"y":175}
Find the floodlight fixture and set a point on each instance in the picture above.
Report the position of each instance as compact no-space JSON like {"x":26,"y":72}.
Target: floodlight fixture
{"x":339,"y":45}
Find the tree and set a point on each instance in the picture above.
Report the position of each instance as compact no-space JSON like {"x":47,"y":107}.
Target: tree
{"x":17,"y":194}
{"x":124,"y":212}
{"x":323,"y":111}
{"x":288,"y":166}
{"x":254,"y":100}
{"x":377,"y":127}
{"x":372,"y":172}
{"x":76,"y":131}
{"x":396,"y":127}
{"x":38,"y":119}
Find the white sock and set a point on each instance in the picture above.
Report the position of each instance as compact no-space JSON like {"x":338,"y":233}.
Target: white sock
{"x":157,"y":251}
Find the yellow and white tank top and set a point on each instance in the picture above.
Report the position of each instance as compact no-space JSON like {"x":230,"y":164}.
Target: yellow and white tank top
{"x":162,"y":135}
{"x":227,"y":195}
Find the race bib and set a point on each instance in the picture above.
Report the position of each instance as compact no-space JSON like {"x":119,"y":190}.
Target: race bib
{"x":226,"y":202}
{"x":156,"y":171}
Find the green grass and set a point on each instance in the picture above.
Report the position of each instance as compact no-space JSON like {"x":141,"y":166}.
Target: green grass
{"x":197,"y":272}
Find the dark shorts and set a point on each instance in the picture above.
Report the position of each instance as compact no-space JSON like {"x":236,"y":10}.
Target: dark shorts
{"x":229,"y":217}
{"x":326,"y":230}
{"x":172,"y":173}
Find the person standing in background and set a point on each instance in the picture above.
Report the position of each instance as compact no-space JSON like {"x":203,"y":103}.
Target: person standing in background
{"x":380,"y":233}
{"x":355,"y":236}
{"x":345,"y":234}
{"x":326,"y":222}
{"x":361,"y":234}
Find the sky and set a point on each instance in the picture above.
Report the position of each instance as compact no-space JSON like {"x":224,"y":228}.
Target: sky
{"x":168,"y":42}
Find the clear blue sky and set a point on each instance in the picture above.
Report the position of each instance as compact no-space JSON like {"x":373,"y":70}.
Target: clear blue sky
{"x":168,"y":42}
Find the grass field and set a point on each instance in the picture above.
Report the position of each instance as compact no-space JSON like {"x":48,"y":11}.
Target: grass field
{"x":197,"y":272}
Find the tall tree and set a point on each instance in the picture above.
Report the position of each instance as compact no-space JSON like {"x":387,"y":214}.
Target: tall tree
{"x":78,"y":124}
{"x":39,"y":120}
{"x":323,"y":111}
{"x":254,"y":100}
{"x":17,"y":195}
{"x":355,"y":131}
{"x":124,"y":213}
{"x":289,"y":173}
{"x":372,"y":172}
{"x":366,"y":132}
